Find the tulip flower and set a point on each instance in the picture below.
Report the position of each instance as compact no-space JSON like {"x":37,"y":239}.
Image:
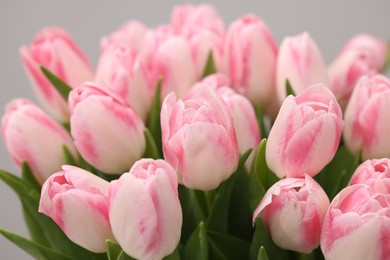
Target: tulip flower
{"x":306,"y":133}
{"x":185,"y":18}
{"x":367,"y":118}
{"x":357,"y":225}
{"x":145,"y":211}
{"x":77,"y":201}
{"x":362,"y":55}
{"x":198,"y":138}
{"x":169,"y":57}
{"x":374,"y":173}
{"x":242,"y":111}
{"x":130,"y":35}
{"x":299,"y":61}
{"x":55,"y":49}
{"x":118,"y":70}
{"x":293,"y":209}
{"x":33,"y":137}
{"x":250,"y":59}
{"x":107,"y":132}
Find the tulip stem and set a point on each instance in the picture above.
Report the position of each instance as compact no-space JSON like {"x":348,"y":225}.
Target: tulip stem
{"x":210,"y":195}
{"x":302,"y":256}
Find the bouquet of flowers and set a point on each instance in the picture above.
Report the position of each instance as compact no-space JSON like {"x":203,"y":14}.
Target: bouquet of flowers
{"x":196,"y":141}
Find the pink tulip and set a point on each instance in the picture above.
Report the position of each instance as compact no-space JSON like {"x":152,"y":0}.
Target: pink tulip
{"x":306,"y":133}
{"x":300,"y":61}
{"x":167,"y":56}
{"x":118,"y":69}
{"x":107,"y":132}
{"x":77,"y":201}
{"x":362,"y":55}
{"x":145,"y":211}
{"x":357,"y":225}
{"x":250,"y":59}
{"x":33,"y":137}
{"x":55,"y":49}
{"x":130,"y":35}
{"x":185,"y":18}
{"x":243,"y":114}
{"x":293,"y":209}
{"x":374,"y":173}
{"x":367,"y":118}
{"x":198,"y":138}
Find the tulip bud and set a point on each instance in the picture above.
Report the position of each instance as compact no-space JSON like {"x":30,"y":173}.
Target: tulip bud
{"x":77,"y":201}
{"x":106,"y":131}
{"x":198,"y":138}
{"x":118,"y":69}
{"x":362,"y":55}
{"x":306,"y":133}
{"x":243,"y":114}
{"x":54,"y":49}
{"x":374,"y":173}
{"x":250,"y":59}
{"x":130,"y":35}
{"x":31,"y":136}
{"x":145,"y":211}
{"x":300,"y":61}
{"x":167,"y":56}
{"x":357,"y":225}
{"x":293,"y":210}
{"x":367,"y":118}
{"x":185,"y":18}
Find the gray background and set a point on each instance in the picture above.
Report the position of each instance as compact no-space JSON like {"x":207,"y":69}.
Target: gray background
{"x":330,"y":23}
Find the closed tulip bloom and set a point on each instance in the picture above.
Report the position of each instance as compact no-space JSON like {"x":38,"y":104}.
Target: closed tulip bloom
{"x":130,"y":35}
{"x":31,"y":136}
{"x":169,"y":57}
{"x":306,"y":133}
{"x":185,"y":18}
{"x":107,"y":132}
{"x":145,"y":211}
{"x":250,"y":59}
{"x":367,"y":118}
{"x":77,"y":201}
{"x":118,"y":69}
{"x":374,"y":173}
{"x":362,"y":55}
{"x":198,"y":138}
{"x":55,"y":49}
{"x":300,"y":61}
{"x":293,"y":210}
{"x":357,"y":225}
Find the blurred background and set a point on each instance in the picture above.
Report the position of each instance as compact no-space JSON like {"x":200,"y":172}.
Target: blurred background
{"x":330,"y":23}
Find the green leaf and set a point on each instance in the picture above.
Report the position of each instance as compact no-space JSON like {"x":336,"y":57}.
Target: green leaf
{"x":210,"y":67}
{"x":151,"y":150}
{"x":194,"y":209}
{"x":197,"y":247}
{"x":229,"y":246}
{"x":29,"y":178}
{"x":153,"y":123}
{"x":289,"y":88}
{"x":68,"y":156}
{"x":219,"y":213}
{"x":63,"y":88}
{"x":260,"y":119}
{"x":33,"y":249}
{"x":36,"y":232}
{"x":386,"y":66}
{"x":262,"y":254}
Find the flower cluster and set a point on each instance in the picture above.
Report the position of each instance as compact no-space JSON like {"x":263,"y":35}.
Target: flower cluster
{"x":158,"y":152}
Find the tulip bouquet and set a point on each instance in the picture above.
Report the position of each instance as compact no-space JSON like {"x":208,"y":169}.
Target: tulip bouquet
{"x":196,"y":141}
